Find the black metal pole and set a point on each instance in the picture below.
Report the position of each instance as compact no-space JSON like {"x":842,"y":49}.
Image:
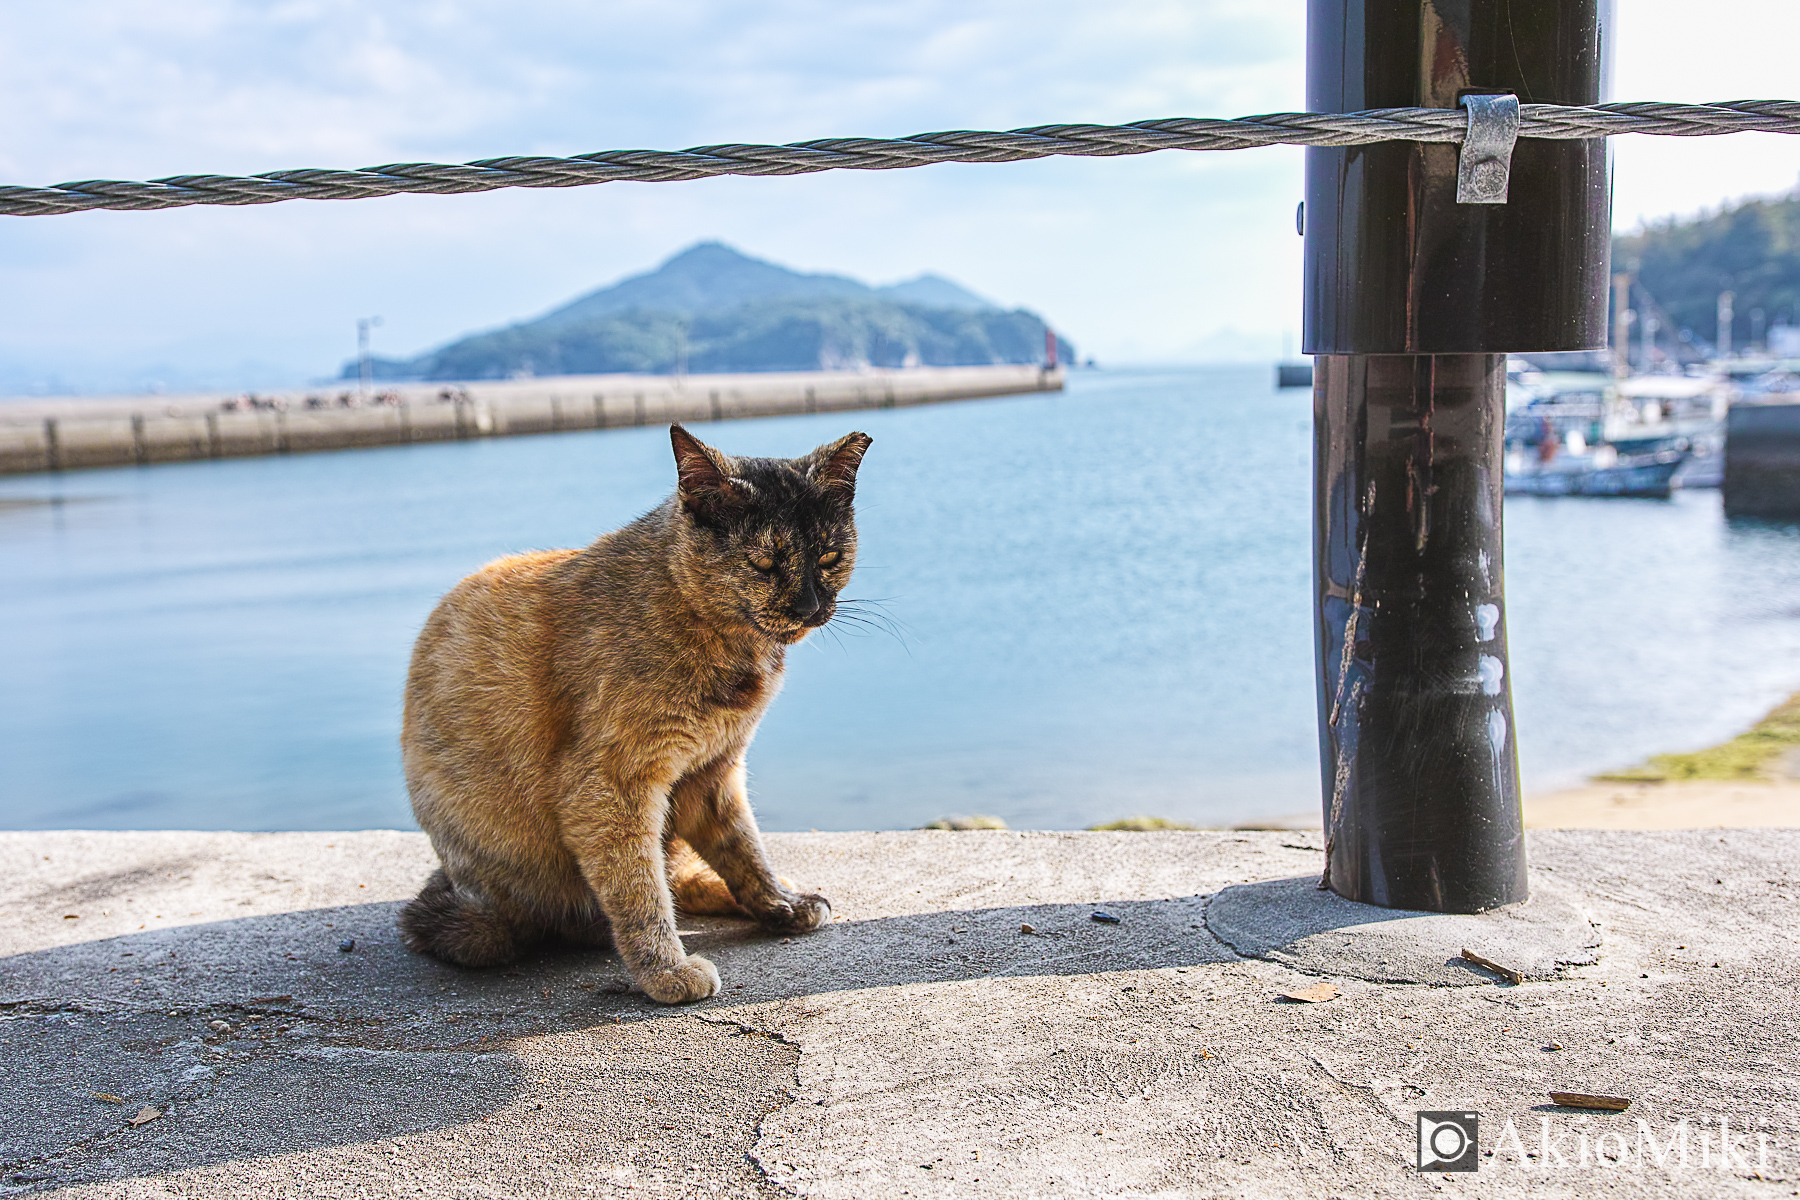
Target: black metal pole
{"x":1412,"y":302}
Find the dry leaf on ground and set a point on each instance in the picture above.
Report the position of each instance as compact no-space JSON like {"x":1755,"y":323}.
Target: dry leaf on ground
{"x":1318,"y":993}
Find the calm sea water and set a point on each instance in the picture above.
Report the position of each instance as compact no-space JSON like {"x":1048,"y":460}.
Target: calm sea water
{"x":1102,"y":599}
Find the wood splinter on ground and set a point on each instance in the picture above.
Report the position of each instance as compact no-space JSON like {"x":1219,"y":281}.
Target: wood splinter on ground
{"x":1587,"y":1100}
{"x":1506,"y":973}
{"x":1318,"y":993}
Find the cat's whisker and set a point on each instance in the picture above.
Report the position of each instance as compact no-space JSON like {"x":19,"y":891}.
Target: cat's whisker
{"x":862,"y":623}
{"x":851,"y":618}
{"x":873,"y":614}
{"x":837,"y":639}
{"x":871,"y":606}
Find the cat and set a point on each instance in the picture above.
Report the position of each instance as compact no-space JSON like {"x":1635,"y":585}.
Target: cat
{"x":576,"y":720}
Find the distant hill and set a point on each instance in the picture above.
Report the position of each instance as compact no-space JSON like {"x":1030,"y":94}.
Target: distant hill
{"x":711,"y":308}
{"x":1751,"y":249}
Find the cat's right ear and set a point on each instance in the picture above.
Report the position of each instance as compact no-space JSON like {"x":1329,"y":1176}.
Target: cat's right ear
{"x":704,"y":480}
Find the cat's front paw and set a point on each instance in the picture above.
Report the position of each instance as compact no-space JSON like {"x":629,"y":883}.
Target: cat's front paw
{"x":693,"y":978}
{"x":798,"y":914}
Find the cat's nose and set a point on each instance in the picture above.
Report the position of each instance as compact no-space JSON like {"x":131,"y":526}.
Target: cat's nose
{"x":803,"y":606}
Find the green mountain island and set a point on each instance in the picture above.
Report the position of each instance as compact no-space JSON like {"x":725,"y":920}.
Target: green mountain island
{"x":713,"y":309}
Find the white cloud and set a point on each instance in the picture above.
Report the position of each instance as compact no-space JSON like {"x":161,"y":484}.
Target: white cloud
{"x":1728,"y":50}
{"x":1151,"y":257}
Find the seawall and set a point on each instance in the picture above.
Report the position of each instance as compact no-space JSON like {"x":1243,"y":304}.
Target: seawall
{"x":73,"y":433}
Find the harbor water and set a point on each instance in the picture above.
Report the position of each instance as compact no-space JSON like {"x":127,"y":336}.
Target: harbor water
{"x":1096,"y":605}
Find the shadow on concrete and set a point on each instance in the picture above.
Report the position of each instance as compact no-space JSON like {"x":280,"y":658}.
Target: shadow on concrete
{"x":1296,"y":923}
{"x":326,"y":1048}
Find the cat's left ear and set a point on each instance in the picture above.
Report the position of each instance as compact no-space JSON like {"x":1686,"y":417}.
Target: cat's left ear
{"x":833,"y":467}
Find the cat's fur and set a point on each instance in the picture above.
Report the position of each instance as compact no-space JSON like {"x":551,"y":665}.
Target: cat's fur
{"x":576,"y":720}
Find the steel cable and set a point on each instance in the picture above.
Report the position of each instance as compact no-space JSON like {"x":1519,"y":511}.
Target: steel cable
{"x":877,"y":154}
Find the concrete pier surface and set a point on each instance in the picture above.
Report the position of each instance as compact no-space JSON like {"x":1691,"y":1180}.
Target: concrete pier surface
{"x":71,"y":433}
{"x":924,"y":1044}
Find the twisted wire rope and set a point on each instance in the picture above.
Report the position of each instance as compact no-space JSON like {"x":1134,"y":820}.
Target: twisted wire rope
{"x":878,"y":154}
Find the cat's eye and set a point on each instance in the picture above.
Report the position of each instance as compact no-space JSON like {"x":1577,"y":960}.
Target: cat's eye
{"x":762,"y":562}
{"x":829,"y":558}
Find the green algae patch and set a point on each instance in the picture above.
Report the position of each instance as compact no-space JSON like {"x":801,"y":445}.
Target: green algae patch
{"x":977,"y":821}
{"x":1138,"y":825}
{"x":1750,"y":757}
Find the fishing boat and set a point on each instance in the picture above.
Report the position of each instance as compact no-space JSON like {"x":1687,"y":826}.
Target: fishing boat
{"x":1599,"y":471}
{"x":1589,"y":433}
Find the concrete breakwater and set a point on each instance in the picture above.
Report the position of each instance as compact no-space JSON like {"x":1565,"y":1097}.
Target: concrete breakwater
{"x":68,"y":433}
{"x":227,"y":1015}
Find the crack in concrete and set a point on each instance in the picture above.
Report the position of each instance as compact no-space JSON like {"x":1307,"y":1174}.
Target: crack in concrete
{"x":792,"y":1094}
{"x":1358,"y":1091}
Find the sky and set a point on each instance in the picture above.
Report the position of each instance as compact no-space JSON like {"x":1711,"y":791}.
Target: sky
{"x":1170,"y":257}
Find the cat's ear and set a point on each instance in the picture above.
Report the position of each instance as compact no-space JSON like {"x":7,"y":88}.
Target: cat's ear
{"x":833,"y":467}
{"x":705,"y":483}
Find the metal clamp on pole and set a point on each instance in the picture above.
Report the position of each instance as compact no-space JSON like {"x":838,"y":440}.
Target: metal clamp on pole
{"x":1485,"y":164}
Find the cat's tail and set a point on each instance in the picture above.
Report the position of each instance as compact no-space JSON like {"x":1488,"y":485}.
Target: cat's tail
{"x":451,"y":924}
{"x":697,"y":888}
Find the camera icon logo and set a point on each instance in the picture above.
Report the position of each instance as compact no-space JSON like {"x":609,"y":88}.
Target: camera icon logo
{"x":1448,"y":1141}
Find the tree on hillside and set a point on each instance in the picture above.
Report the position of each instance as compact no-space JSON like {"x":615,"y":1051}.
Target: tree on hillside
{"x":1751,"y":249}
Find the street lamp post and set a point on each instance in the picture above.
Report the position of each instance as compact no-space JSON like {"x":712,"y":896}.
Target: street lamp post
{"x":365,"y":365}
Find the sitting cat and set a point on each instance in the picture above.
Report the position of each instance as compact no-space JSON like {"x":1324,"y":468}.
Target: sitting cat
{"x":576,"y":720}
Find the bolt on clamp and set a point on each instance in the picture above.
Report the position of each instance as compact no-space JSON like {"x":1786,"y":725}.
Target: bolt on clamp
{"x":1485,"y":163}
